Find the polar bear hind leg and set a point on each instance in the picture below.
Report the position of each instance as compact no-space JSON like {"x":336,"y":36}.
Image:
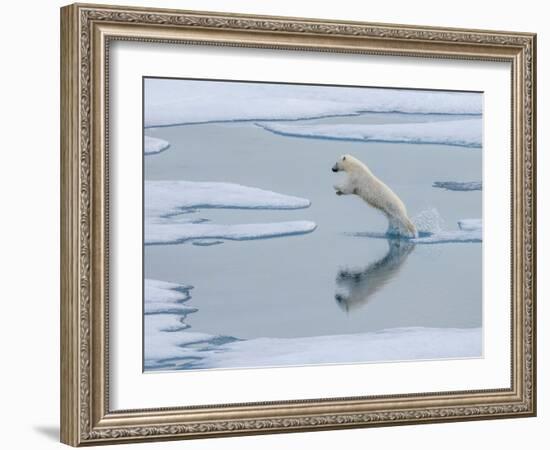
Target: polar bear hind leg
{"x":401,"y":226}
{"x":411,"y":228}
{"x":394,"y":227}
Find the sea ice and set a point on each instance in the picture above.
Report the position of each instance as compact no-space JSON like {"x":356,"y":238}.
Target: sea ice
{"x":471,"y":224}
{"x":164,"y":297}
{"x":458,"y":186}
{"x":398,"y":344}
{"x":171,"y":232}
{"x":153,"y":145}
{"x":464,"y":133}
{"x":166,"y":200}
{"x":172,"y":102}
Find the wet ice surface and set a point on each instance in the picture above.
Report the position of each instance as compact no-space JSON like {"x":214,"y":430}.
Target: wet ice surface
{"x":334,"y":287}
{"x":169,"y":344}
{"x":431,"y":230}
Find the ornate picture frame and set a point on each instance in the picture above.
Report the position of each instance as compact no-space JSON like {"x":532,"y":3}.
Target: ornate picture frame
{"x":87,"y":31}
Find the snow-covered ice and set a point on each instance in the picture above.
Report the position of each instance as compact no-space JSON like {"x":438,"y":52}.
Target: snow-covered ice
{"x":196,"y":351}
{"x":458,"y":185}
{"x":152,"y":145}
{"x":164,"y":334}
{"x":172,"y":232}
{"x":464,"y":133}
{"x":164,"y":297}
{"x":172,"y":102}
{"x":398,"y":344}
{"x":442,"y":237}
{"x":165,"y":310}
{"x":166,"y":200}
{"x":470,"y":224}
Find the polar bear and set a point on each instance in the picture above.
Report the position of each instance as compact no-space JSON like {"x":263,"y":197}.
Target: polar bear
{"x":362,"y":182}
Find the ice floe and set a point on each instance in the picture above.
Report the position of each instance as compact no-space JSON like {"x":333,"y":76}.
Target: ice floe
{"x":443,"y":237}
{"x":184,"y":350}
{"x":165,"y":198}
{"x":165,"y":201}
{"x":458,"y":185}
{"x":166,"y":333}
{"x":464,"y":133}
{"x":165,"y":310}
{"x":432,"y":230}
{"x":470,"y":224}
{"x":163,"y":297}
{"x":173,"y":232}
{"x":152,"y":145}
{"x":170,"y":343}
{"x":172,"y":102}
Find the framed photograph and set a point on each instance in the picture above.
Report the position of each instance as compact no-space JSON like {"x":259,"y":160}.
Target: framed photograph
{"x":279,"y":224}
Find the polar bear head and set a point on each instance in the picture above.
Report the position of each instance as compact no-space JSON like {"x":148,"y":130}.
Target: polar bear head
{"x":346,"y":163}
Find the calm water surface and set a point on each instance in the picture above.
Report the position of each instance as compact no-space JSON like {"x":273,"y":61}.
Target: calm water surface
{"x":326,"y":282}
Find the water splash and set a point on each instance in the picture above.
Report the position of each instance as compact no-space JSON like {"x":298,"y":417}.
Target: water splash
{"x":429,"y":222}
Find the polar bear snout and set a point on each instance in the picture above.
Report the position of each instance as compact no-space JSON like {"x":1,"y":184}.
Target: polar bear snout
{"x":341,"y":164}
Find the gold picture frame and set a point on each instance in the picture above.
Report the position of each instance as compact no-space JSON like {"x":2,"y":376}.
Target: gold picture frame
{"x":86,"y":33}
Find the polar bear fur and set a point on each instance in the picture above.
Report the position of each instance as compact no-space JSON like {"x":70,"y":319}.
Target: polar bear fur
{"x":362,"y":182}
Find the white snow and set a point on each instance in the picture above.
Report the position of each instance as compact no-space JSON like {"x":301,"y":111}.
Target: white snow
{"x":172,"y":232}
{"x":398,"y":344}
{"x":165,"y":310}
{"x":163,"y":336}
{"x":388,"y":345}
{"x":164,"y":297}
{"x":465,"y":133}
{"x":152,"y":146}
{"x":165,"y":200}
{"x":171,"y":102}
{"x":470,"y":224}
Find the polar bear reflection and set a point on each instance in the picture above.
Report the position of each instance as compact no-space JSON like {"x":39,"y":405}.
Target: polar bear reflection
{"x":357,"y":286}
